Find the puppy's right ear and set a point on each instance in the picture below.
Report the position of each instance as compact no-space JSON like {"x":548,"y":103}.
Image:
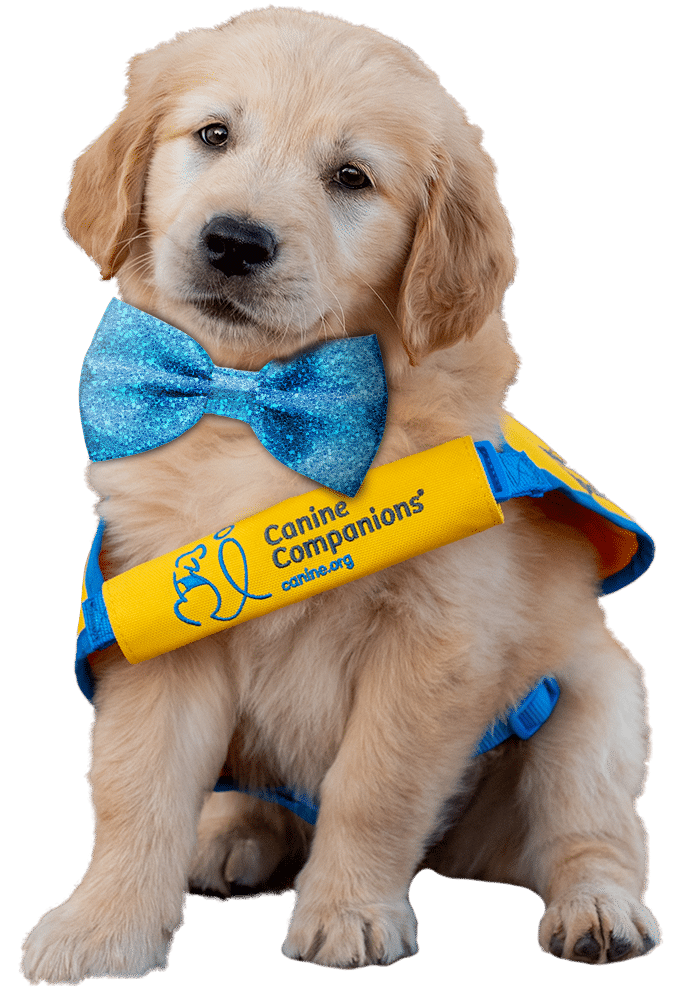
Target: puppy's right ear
{"x":104,"y":208}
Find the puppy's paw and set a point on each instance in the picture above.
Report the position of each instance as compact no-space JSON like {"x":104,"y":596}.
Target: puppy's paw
{"x":597,"y":925}
{"x":70,"y":944}
{"x":225,"y":860}
{"x":350,"y":935}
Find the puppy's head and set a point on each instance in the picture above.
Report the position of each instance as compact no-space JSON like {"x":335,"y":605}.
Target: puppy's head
{"x":288,"y":176}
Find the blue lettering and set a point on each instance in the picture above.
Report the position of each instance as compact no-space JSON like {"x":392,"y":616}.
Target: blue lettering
{"x":275,"y":557}
{"x":268,"y":540}
{"x":313,"y":574}
{"x":398,"y":507}
{"x":376,"y":522}
{"x":334,"y":540}
{"x":318,"y":544}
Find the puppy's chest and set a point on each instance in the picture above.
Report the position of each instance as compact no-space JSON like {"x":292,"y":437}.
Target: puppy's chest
{"x":296,"y":683}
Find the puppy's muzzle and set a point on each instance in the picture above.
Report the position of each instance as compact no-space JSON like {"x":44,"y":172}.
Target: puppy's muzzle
{"x":237,"y":247}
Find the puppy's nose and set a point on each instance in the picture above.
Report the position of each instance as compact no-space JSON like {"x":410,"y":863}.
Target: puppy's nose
{"x":235,"y":246}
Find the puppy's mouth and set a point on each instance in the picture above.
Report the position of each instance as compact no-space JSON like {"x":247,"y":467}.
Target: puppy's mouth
{"x":278,"y":317}
{"x":220,"y":308}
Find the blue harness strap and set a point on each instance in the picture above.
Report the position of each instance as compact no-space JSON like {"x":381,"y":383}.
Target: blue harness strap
{"x":295,"y":801}
{"x":525,"y":719}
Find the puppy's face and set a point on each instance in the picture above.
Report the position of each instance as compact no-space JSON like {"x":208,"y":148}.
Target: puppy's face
{"x":283,"y":201}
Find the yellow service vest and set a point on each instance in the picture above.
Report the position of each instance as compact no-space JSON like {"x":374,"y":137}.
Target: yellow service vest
{"x":320,"y":540}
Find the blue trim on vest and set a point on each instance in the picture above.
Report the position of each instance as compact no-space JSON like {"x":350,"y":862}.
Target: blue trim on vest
{"x":94,"y":581}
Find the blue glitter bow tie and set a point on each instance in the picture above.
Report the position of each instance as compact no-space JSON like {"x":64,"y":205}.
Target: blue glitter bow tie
{"x":145,"y":383}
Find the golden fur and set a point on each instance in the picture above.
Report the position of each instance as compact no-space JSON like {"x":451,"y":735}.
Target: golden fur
{"x":372,"y":696}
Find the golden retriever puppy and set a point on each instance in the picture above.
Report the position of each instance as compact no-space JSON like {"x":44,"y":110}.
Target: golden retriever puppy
{"x":368,"y":206}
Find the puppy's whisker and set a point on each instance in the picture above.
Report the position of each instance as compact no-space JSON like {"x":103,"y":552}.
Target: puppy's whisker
{"x":341,"y":316}
{"x":138,"y":235}
{"x":380,"y":299}
{"x":139,"y":265}
{"x":325,"y":328}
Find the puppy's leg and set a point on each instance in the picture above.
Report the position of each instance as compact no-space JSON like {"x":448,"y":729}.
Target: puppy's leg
{"x":584,"y":850}
{"x":241,"y":844}
{"x":160,"y":736}
{"x":409,"y":737}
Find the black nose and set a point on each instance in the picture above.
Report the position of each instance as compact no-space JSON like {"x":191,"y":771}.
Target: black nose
{"x":234,"y":246}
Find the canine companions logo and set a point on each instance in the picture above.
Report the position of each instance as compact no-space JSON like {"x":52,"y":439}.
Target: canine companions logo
{"x":192,"y":579}
{"x":332,"y":541}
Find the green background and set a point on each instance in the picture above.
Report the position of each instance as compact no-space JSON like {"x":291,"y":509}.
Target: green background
{"x":576,"y":104}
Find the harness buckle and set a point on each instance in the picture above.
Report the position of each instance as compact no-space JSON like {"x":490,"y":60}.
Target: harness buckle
{"x":528,"y":718}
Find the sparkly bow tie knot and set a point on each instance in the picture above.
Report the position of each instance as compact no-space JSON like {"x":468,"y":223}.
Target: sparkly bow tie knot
{"x":144,"y":383}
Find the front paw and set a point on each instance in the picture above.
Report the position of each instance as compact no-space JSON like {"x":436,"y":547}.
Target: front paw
{"x":71,"y":943}
{"x":350,"y":935}
{"x":597,"y":925}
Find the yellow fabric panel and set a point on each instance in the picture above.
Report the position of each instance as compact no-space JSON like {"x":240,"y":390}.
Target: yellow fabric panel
{"x":299,"y":548}
{"x":615,"y":545}
{"x":521,"y":438}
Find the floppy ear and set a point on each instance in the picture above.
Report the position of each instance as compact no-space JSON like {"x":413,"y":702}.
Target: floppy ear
{"x":105,"y":204}
{"x":461,"y":259}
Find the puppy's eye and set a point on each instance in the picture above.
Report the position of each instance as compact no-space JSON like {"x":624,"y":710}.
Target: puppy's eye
{"x":215,"y":134}
{"x":352,"y":177}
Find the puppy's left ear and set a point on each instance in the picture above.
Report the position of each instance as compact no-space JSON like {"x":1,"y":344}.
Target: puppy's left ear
{"x":461,"y":259}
